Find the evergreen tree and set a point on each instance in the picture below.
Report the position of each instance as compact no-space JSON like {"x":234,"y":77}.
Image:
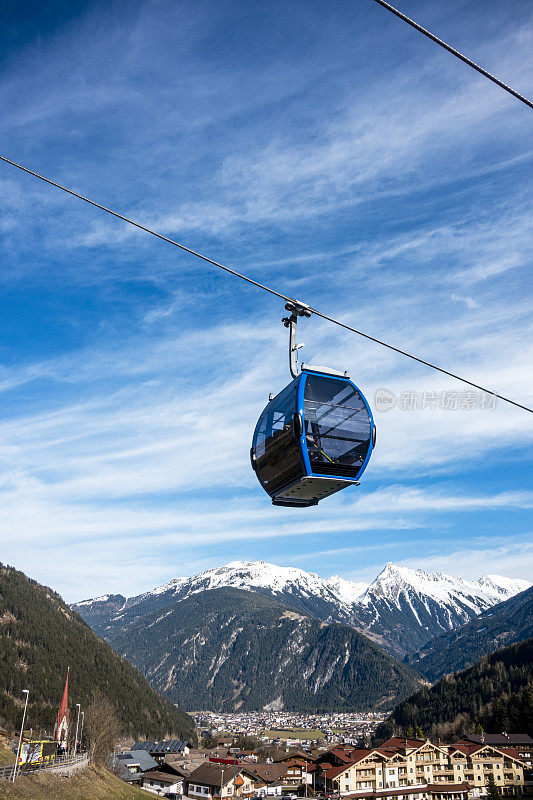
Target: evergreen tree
{"x":492,"y":789}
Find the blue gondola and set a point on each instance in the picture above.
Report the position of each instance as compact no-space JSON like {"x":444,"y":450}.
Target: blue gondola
{"x":313,"y":439}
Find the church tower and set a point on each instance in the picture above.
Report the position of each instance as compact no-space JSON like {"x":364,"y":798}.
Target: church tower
{"x":62,"y":717}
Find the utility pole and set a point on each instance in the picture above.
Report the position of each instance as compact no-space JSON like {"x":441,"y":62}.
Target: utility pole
{"x":14,"y":773}
{"x":77,"y":723}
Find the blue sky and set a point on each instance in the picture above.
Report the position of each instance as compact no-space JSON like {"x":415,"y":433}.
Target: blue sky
{"x":325,"y":148}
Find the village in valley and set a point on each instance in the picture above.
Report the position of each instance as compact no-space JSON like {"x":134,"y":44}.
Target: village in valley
{"x":258,"y":755}
{"x":398,"y":769}
{"x":289,"y":728}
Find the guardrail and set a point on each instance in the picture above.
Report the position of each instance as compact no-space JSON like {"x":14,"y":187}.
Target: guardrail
{"x":6,"y":773}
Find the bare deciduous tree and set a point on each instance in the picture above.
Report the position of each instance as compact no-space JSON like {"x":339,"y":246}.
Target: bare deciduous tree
{"x":102,"y":726}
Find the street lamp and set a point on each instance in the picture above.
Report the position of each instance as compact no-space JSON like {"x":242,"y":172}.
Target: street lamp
{"x":81,"y":729}
{"x":77,"y":723}
{"x":14,"y":774}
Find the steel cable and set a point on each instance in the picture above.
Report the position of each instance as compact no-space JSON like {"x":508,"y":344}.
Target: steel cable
{"x":262,"y":286}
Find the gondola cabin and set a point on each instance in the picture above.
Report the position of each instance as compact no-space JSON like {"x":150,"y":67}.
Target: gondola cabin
{"x":313,"y":439}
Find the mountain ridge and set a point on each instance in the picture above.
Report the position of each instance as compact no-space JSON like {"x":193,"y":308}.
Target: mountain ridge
{"x":229,"y":649}
{"x":400,"y":610}
{"x":503,"y":624}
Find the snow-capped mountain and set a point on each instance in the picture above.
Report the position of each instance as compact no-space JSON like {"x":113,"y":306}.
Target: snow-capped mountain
{"x":404,"y":608}
{"x":506,"y":623}
{"x":256,"y":575}
{"x":328,"y":600}
{"x":506,"y":587}
{"x":401,"y":609}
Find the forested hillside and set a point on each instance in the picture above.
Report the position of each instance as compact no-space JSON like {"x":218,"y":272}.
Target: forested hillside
{"x":40,"y":636}
{"x":232,"y":649}
{"x":494,"y":695}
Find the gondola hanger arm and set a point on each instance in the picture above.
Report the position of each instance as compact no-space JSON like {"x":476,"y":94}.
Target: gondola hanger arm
{"x":297,"y":309}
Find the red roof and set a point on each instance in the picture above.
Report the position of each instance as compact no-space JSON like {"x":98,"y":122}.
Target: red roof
{"x":466,"y":749}
{"x":334,"y":771}
{"x":358,"y":755}
{"x":399,"y":741}
{"x":511,"y":751}
{"x":344,"y":755}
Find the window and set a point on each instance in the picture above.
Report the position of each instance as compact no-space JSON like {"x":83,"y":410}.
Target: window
{"x":337,"y":426}
{"x":275,"y":448}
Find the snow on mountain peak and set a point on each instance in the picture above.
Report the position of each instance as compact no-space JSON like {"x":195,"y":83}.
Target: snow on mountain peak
{"x":347,"y":591}
{"x":395,"y":581}
{"x":507,"y":587}
{"x":428,"y":599}
{"x":261,"y":575}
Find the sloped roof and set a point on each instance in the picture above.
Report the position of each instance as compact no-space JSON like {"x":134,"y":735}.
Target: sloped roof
{"x":469,"y":749}
{"x":267,"y":772}
{"x":157,"y":775}
{"x":358,"y":755}
{"x":334,"y":771}
{"x":500,"y":739}
{"x":398,"y":741}
{"x":165,"y":746}
{"x":343,"y":754}
{"x":296,"y":754}
{"x":131,"y":758}
{"x":465,"y":749}
{"x":211,"y":774}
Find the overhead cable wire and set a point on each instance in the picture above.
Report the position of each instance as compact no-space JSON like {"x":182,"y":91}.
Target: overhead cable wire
{"x":259,"y":285}
{"x":454,"y":52}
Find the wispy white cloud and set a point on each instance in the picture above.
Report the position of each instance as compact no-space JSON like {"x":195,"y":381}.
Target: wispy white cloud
{"x":396,"y":201}
{"x":514,"y":559}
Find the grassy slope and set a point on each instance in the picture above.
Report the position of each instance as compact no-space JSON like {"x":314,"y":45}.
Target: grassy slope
{"x":91,"y":784}
{"x":7,"y":756}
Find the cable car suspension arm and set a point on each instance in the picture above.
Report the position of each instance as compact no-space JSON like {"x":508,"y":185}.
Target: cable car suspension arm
{"x":297,"y":309}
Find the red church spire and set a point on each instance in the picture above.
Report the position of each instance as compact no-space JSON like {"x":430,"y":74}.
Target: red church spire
{"x":62,"y":716}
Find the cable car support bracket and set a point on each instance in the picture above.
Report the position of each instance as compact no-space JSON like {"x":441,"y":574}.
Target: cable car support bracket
{"x":297,"y":309}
